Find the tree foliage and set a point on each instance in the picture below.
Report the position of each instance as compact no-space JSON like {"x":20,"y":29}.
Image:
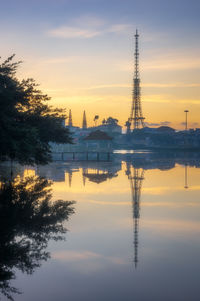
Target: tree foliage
{"x":27,"y":122}
{"x":110,"y":121}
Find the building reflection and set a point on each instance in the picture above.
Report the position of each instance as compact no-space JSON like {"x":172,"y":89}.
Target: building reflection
{"x":28,"y":221}
{"x":23,"y":216}
{"x":94,"y":171}
{"x":99,"y":173}
{"x":97,"y":176}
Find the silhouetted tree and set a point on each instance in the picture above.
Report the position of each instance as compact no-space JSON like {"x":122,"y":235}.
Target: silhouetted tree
{"x":28,"y":220}
{"x":27,"y":122}
{"x":110,"y":121}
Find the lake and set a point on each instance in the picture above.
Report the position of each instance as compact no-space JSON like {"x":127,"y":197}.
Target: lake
{"x":134,"y":233}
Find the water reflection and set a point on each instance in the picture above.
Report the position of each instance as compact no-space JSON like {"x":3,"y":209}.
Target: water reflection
{"x":186,"y":177}
{"x":92,"y":171}
{"x":135,"y":166}
{"x":28,"y":220}
{"x":104,"y":246}
{"x":99,"y":172}
{"x":135,"y":176}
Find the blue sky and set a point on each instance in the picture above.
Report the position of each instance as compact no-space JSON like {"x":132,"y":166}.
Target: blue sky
{"x":81,"y":52}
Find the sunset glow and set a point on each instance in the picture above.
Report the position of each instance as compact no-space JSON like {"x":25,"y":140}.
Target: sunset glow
{"x":82,"y":55}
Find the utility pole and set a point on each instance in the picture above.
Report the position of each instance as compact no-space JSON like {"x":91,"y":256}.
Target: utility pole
{"x":186,"y":119}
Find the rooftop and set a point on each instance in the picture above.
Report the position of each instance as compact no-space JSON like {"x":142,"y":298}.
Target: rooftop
{"x":98,"y":135}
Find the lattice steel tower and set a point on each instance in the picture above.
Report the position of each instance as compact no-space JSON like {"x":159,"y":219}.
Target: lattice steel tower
{"x":136,"y":119}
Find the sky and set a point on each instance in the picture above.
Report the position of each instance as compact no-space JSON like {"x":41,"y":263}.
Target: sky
{"x":81,"y":53}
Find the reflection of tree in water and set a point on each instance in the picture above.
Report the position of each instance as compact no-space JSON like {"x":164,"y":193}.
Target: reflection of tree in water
{"x":28,"y":220}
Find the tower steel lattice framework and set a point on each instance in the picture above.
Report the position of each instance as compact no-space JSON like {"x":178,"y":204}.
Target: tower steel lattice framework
{"x":136,"y":177}
{"x":136,"y":119}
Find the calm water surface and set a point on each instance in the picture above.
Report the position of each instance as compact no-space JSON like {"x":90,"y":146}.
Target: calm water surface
{"x":135,"y":233}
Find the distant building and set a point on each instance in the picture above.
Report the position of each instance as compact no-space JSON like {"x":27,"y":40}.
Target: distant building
{"x":63,"y":122}
{"x":165,"y":129}
{"x":161,"y":129}
{"x":109,"y":126}
{"x":149,"y":130}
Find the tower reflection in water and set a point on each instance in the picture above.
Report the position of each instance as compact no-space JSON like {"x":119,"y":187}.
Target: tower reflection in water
{"x":99,"y":172}
{"x":28,"y":220}
{"x":135,"y":176}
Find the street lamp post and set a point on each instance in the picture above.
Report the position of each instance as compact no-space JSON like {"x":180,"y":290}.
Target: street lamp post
{"x":186,"y":121}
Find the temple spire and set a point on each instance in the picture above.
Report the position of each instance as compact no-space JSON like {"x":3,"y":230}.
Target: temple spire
{"x":84,"y":125}
{"x":70,"y":119}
